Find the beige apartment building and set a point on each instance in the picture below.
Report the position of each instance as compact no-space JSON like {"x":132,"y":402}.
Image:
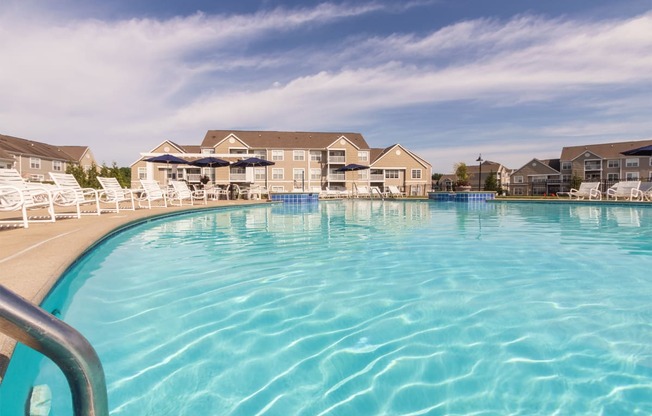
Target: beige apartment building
{"x":34,"y":160}
{"x":603,"y":163}
{"x":303,"y":161}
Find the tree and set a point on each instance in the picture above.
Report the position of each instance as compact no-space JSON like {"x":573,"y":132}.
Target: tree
{"x":576,"y":181}
{"x":437,"y":176}
{"x":491,"y":184}
{"x":462,"y":174}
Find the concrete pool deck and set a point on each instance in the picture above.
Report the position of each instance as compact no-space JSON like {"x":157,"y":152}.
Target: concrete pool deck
{"x":33,"y":259}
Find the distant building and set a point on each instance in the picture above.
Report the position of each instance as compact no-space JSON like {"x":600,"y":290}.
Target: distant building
{"x":35,"y":159}
{"x":605,"y":162}
{"x":302,"y":161}
{"x":537,"y":177}
{"x":447,"y":181}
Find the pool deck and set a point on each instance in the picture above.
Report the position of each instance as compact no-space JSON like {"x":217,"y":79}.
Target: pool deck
{"x":33,"y":259}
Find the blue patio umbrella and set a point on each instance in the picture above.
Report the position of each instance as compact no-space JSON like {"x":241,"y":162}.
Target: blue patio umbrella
{"x":210,"y":162}
{"x":351,"y":167}
{"x":166,"y":158}
{"x":252,"y":162}
{"x":640,"y":151}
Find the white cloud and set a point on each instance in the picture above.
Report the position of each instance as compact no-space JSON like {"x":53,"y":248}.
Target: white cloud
{"x":140,"y":81}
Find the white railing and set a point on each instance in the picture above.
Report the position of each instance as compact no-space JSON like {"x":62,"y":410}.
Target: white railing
{"x":377,"y":177}
{"x":238,"y":177}
{"x":336,"y":177}
{"x":336,"y":159}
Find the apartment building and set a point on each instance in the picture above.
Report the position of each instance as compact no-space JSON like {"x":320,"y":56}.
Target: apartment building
{"x":594,"y":162}
{"x":478,"y":176}
{"x":605,"y":162}
{"x":537,"y":177}
{"x":35,"y":159}
{"x":303,"y":161}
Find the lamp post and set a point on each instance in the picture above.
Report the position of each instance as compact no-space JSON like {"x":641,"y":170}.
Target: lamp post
{"x":479,"y":160}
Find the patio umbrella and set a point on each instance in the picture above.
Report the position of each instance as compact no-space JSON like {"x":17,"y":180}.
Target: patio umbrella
{"x":641,"y":151}
{"x":166,"y":158}
{"x":210,"y":162}
{"x":252,"y":162}
{"x":351,"y":167}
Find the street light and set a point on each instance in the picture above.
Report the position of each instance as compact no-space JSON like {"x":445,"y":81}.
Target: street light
{"x":479,"y":160}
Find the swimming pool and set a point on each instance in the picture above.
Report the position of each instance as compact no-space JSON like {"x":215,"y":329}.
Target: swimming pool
{"x":365,"y":308}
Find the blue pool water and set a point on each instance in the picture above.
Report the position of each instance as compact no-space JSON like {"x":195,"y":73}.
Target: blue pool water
{"x":365,"y":308}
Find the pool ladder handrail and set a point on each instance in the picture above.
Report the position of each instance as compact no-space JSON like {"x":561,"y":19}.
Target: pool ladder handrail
{"x":63,"y":344}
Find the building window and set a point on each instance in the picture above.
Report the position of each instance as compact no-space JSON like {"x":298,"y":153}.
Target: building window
{"x":363,"y":174}
{"x":35,"y":163}
{"x":298,"y":174}
{"x":565,"y":178}
{"x":277,"y":155}
{"x":518,"y":191}
{"x":631,"y":176}
{"x":259,"y":174}
{"x":315,"y":174}
{"x":631,"y":163}
{"x":518,"y":179}
{"x":278,"y":188}
{"x":363,"y":156}
{"x":277,"y":173}
{"x":416,"y":173}
{"x":613,"y":163}
{"x":315,"y":155}
{"x":566,"y":165}
{"x":142,"y":173}
{"x":36,"y":177}
{"x":391,"y":174}
{"x":57,"y":165}
{"x":207,"y":151}
{"x":612,"y":177}
{"x":298,"y":155}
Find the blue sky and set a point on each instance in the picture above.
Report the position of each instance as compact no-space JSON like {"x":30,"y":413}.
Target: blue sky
{"x":448,"y":79}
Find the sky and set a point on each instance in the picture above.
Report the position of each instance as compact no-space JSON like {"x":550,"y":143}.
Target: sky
{"x":447,"y":79}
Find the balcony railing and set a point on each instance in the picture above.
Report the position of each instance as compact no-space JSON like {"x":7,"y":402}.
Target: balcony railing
{"x":333,"y":177}
{"x":377,"y":178}
{"x":336,"y":159}
{"x":238,"y":177}
{"x":593,"y":166}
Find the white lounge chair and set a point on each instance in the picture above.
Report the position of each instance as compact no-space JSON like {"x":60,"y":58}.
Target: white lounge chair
{"x":151,"y":192}
{"x":392,"y":191}
{"x":114,"y":193}
{"x":362,"y":191}
{"x":181,"y":192}
{"x":590,"y":190}
{"x":18,"y":195}
{"x":643,"y":193}
{"x":624,"y":189}
{"x":69,"y":193}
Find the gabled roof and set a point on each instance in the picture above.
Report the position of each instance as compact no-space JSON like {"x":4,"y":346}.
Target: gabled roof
{"x":283,"y":139}
{"x":16,"y":145}
{"x":376,"y":154}
{"x":5,"y":156}
{"x":75,"y":152}
{"x":190,"y":148}
{"x":605,"y":150}
{"x":487,"y":166}
{"x":542,"y":167}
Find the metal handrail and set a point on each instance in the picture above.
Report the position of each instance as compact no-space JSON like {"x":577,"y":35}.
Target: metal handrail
{"x":63,"y":344}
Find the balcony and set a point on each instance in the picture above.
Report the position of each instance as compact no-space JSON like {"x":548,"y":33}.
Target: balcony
{"x":336,"y":159}
{"x":336,"y":177}
{"x":238,"y":177}
{"x":592,"y":166}
{"x":377,"y":177}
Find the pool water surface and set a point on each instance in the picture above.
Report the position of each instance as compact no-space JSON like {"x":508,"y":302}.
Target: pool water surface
{"x":365,"y":308}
